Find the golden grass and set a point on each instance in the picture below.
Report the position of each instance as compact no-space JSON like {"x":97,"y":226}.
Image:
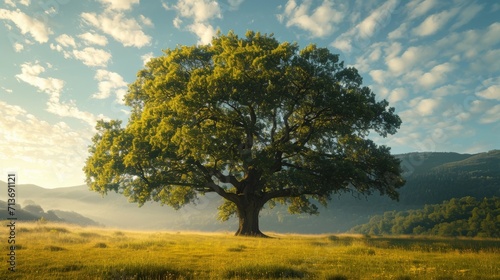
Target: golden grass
{"x":55,"y":251}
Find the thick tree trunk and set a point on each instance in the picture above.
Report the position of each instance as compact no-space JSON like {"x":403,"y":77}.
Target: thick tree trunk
{"x":248,"y":214}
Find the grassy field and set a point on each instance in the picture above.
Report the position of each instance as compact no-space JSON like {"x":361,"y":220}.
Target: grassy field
{"x":55,"y":251}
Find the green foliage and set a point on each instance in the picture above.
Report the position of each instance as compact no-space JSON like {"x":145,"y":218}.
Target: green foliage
{"x":253,"y":120}
{"x":467,"y":216}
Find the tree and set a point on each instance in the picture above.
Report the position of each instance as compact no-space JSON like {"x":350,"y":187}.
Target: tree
{"x":252,"y":119}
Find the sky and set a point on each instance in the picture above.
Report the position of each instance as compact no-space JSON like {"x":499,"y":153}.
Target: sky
{"x":67,"y":63}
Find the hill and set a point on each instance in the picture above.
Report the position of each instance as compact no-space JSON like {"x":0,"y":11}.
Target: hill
{"x":457,"y":217}
{"x":33,"y":212}
{"x":431,"y":178}
{"x":435,"y":177}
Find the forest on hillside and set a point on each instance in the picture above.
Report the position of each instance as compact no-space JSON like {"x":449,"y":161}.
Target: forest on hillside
{"x":432,"y":178}
{"x":466,"y":216}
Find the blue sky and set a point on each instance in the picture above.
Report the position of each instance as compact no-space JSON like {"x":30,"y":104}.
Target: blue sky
{"x":67,"y":63}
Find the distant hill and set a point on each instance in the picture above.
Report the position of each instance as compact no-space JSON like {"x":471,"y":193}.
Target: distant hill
{"x":431,"y":179}
{"x":457,"y":217}
{"x":441,"y":176}
{"x":113,"y":210}
{"x":20,"y":214}
{"x":33,"y":212}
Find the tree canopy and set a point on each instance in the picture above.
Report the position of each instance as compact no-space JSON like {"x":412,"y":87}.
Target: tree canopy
{"x":252,"y":119}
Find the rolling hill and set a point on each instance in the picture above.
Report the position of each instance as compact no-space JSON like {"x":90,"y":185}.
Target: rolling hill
{"x":431,"y":178}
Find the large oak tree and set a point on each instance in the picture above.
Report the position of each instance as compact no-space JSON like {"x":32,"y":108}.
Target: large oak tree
{"x":252,"y":119}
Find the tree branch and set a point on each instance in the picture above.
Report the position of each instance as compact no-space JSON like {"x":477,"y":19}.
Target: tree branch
{"x":273,"y":129}
{"x":310,"y":171}
{"x":211,"y":184}
{"x":289,"y":192}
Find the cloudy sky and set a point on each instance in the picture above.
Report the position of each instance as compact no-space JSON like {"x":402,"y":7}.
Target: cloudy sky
{"x":67,"y":63}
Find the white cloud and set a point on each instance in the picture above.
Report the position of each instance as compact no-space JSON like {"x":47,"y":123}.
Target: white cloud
{"x":59,"y":48}
{"x":92,"y":57}
{"x":375,"y":20}
{"x":52,"y":153}
{"x":7,"y":90}
{"x":126,"y":31}
{"x":476,"y":48}
{"x":399,"y":32}
{"x":426,"y":107}
{"x":66,"y":40}
{"x":397,"y":95}
{"x":434,"y":22}
{"x":110,"y":82}
{"x":436,"y":75}
{"x":69,"y":109}
{"x":406,"y":61}
{"x":119,"y":5}
{"x":375,"y":54}
{"x":120,"y":98}
{"x":378,"y":76}
{"x":344,"y":44}
{"x":30,"y":75}
{"x":10,"y":3}
{"x":18,"y":47}
{"x":492,"y":92}
{"x":492,"y":115}
{"x":205,"y":32}
{"x":89,"y":56}
{"x":201,"y":12}
{"x":393,"y":50}
{"x":467,"y":14}
{"x":471,"y":41}
{"x":418,"y":8}
{"x":146,"y":57}
{"x":380,"y":90}
{"x":484,"y":63}
{"x":177,"y":22}
{"x":13,"y":4}
{"x":491,"y":36}
{"x":95,"y":39}
{"x":359,"y":36}
{"x":198,"y":10}
{"x":320,"y":22}
{"x":450,"y":89}
{"x":56,"y":47}
{"x":235,"y":4}
{"x":146,"y":21}
{"x":478,"y":106}
{"x":37,"y":29}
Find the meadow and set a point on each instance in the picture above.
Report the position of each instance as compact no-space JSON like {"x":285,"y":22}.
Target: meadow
{"x":58,"y":251}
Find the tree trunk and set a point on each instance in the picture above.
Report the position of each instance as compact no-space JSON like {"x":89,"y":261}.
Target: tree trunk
{"x":248,"y":215}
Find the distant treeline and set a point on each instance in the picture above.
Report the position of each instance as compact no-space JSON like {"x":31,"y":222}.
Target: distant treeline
{"x":466,"y":216}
